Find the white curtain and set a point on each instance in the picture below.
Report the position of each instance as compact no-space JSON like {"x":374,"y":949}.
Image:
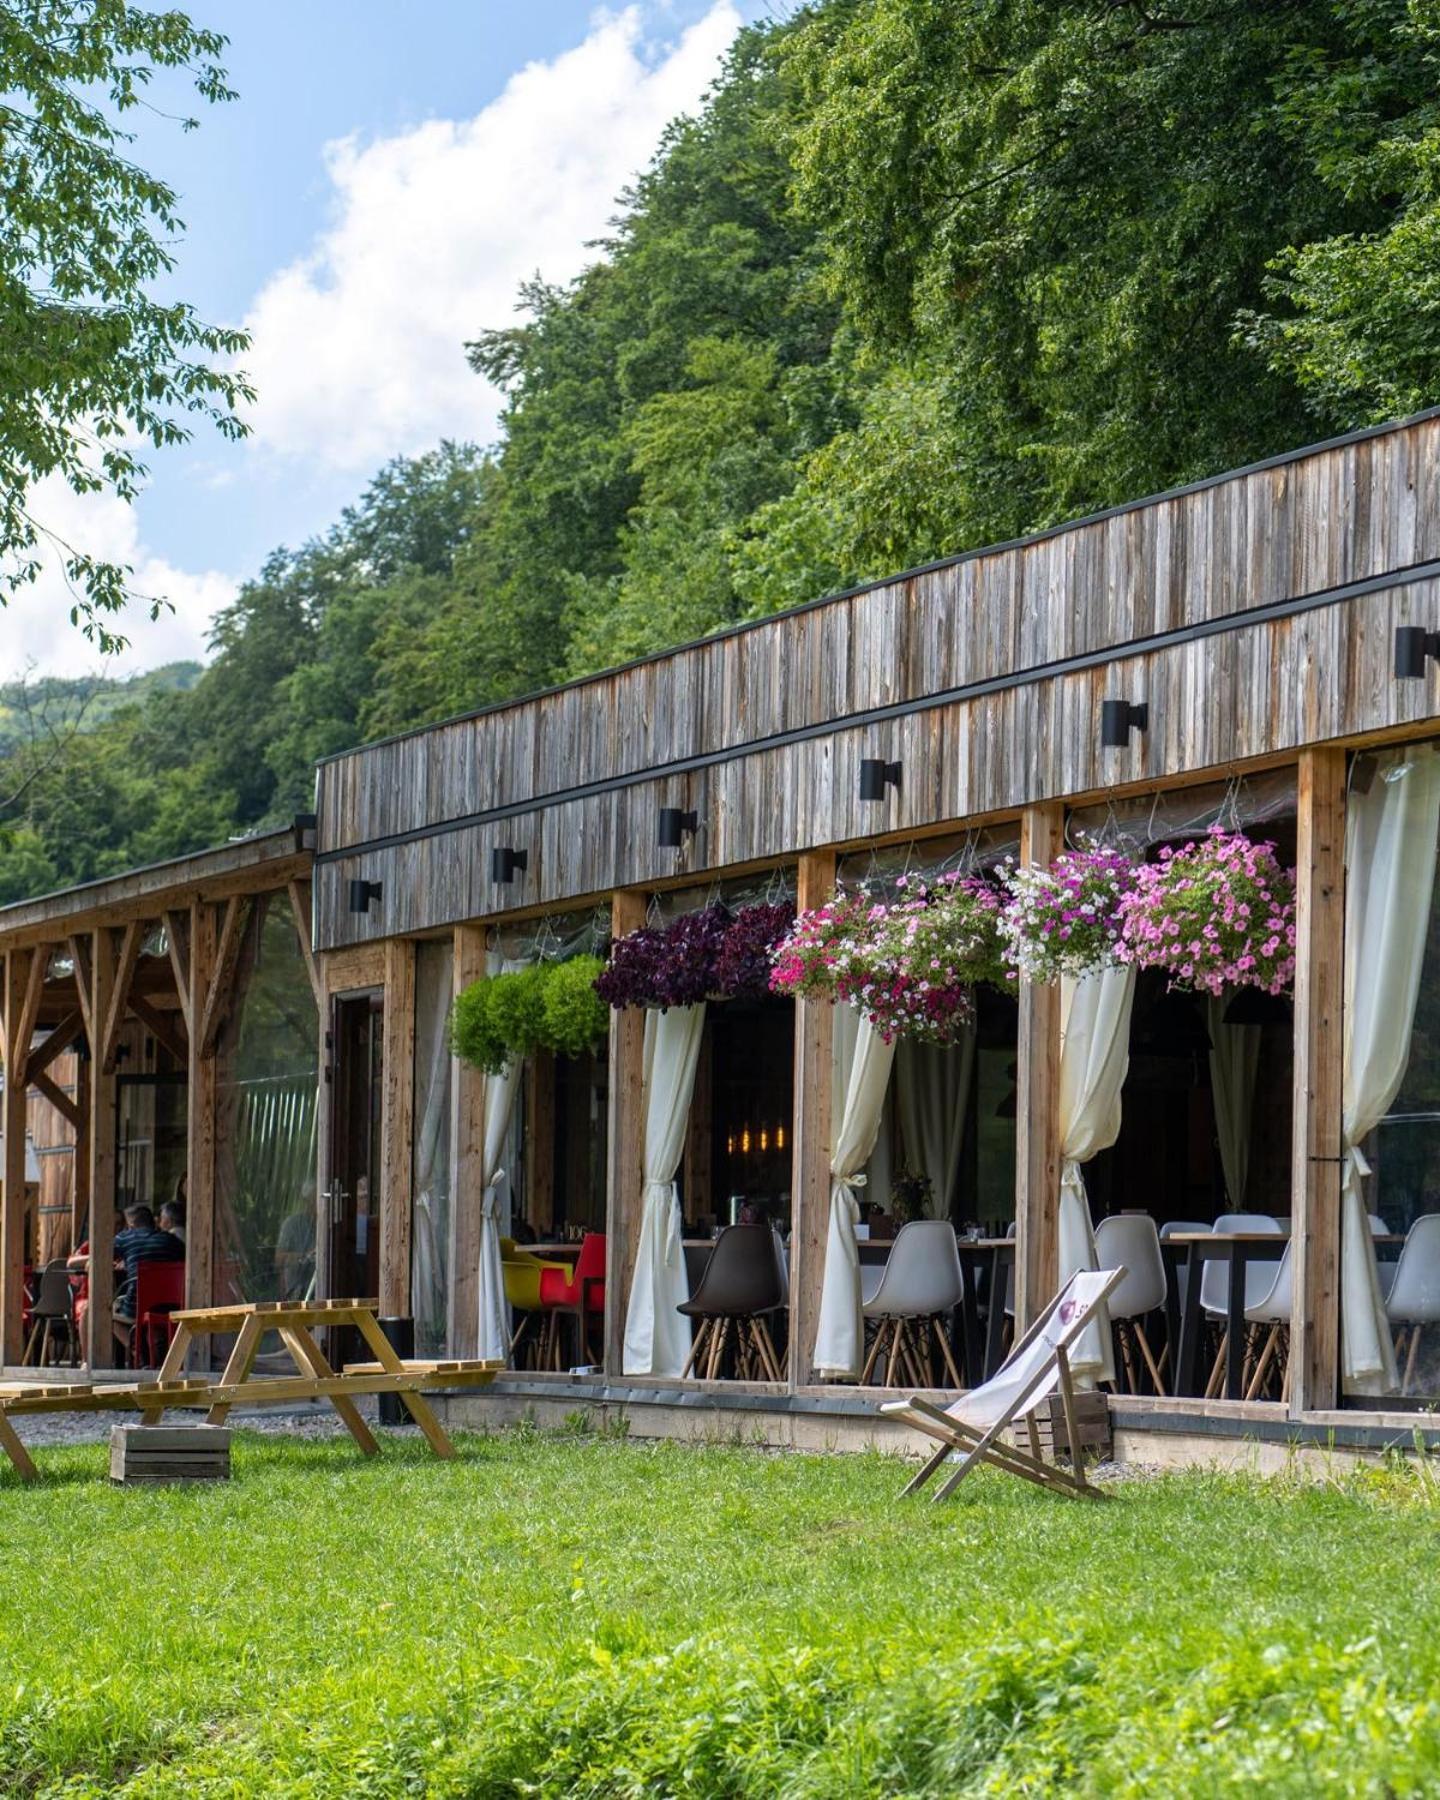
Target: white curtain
{"x":1234,"y":1066}
{"x":657,"y":1337}
{"x":860,"y":1074}
{"x":1390,"y":848}
{"x":1094,"y":1058}
{"x":493,"y":1320}
{"x":932,"y":1093}
{"x":430,"y":1220}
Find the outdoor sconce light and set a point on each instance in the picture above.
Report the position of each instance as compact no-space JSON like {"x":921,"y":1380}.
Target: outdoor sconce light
{"x":1413,"y":643}
{"x":676,"y":826}
{"x":504,"y":862}
{"x":876,"y":776}
{"x":1118,"y":718}
{"x":304,"y":825}
{"x":361,"y":894}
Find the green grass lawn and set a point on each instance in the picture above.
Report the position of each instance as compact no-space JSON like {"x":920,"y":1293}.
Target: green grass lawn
{"x":572,"y":1616}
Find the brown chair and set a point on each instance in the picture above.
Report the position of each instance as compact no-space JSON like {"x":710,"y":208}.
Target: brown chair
{"x":742,"y":1283}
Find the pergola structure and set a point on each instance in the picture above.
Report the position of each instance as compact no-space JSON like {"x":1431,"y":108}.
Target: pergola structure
{"x":132,"y":972}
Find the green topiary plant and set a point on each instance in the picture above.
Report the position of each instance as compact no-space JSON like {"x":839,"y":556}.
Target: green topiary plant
{"x":575,"y":1017}
{"x":548,"y":1006}
{"x":499,"y":1018}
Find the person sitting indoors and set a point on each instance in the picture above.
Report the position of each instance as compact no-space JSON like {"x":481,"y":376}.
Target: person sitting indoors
{"x":79,"y":1259}
{"x":172,"y":1218}
{"x":141,"y":1241}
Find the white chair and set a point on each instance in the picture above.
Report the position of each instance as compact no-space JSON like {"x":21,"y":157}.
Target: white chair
{"x":1215,"y":1283}
{"x":1130,"y":1241}
{"x":921,"y":1281}
{"x":1273,"y":1309}
{"x":1182,"y":1228}
{"x":1414,"y":1298}
{"x":972,"y":1426}
{"x":1386,"y":1270}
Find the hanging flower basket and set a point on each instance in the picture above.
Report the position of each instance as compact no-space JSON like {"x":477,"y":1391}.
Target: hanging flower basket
{"x":1214,"y":915}
{"x":711,"y":954}
{"x":1066,"y":919}
{"x":910,"y":966}
{"x":549,"y":1006}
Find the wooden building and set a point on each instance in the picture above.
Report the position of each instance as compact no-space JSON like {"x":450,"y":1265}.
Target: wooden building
{"x":1254,"y":617}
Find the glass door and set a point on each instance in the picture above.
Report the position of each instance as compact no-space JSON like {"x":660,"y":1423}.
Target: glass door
{"x":355,"y":1147}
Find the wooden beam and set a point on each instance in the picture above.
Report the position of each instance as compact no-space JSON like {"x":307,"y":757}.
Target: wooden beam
{"x":59,"y":1040}
{"x":227,"y":954}
{"x":810,"y":1139}
{"x":1316,"y":1137}
{"x":68,"y":1109}
{"x":203,"y":1076}
{"x":162,"y":1027}
{"x":29,"y":1010}
{"x":300,"y":893}
{"x":1037,"y":1104}
{"x":80,"y":956}
{"x":177,"y":945}
{"x":104,"y":1119}
{"x":12,"y":1121}
{"x":467,"y":1164}
{"x":131,"y":939}
{"x":625,"y":1154}
{"x":80,"y":1164}
{"x":397,"y":1107}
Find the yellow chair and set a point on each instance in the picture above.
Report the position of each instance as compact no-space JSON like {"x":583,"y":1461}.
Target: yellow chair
{"x":522,"y":1270}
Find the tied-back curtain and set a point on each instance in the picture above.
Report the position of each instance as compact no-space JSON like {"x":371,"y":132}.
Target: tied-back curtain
{"x":1390,"y":847}
{"x":1234,"y":1067}
{"x":1094,"y":1058}
{"x":932,"y":1092}
{"x":430,"y":1221}
{"x":861,"y":1074}
{"x":493,"y":1334}
{"x":657,"y":1336}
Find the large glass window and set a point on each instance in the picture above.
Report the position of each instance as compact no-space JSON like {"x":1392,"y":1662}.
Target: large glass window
{"x":265,"y":1120}
{"x":431,"y":1218}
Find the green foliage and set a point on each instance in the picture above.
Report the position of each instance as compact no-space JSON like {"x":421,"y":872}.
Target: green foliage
{"x":549,"y":1006}
{"x":919,"y":275}
{"x":90,"y":360}
{"x":642,"y":1619}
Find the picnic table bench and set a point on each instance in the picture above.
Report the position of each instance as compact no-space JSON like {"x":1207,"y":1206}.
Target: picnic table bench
{"x":238,"y":1385}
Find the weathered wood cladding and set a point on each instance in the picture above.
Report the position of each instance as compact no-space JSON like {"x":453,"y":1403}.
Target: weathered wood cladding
{"x":1243,"y":695}
{"x":1319,"y":520}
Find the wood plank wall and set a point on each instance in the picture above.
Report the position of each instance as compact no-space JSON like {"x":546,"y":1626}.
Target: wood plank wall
{"x":1260,"y":689}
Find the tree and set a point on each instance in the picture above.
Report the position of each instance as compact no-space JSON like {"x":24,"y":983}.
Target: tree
{"x":91,"y":362}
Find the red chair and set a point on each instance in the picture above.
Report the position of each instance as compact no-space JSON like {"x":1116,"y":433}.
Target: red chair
{"x":580,"y":1296}
{"x":159,"y":1290}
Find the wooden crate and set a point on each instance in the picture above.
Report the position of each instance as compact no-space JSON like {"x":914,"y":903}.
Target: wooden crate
{"x":1092,"y":1422}
{"x":169,"y":1453}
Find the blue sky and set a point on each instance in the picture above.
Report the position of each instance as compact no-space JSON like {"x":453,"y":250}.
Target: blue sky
{"x":386,"y":178}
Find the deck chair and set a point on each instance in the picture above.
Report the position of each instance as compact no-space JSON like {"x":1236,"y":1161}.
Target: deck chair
{"x":971,"y":1428}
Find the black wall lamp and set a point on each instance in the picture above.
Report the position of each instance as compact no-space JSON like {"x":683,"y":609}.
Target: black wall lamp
{"x":505,"y":861}
{"x":305,"y":825}
{"x":675,"y":826}
{"x":361,"y":894}
{"x":1118,"y":718}
{"x":877,"y":777}
{"x":1413,"y":643}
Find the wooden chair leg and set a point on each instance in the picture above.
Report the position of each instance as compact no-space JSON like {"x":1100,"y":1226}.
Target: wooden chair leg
{"x":1407,"y":1386}
{"x":1262,"y":1366}
{"x":1217,"y":1373}
{"x":942,"y":1338}
{"x":1127,"y":1357}
{"x":768,"y":1356}
{"x":697,"y":1343}
{"x":1150,"y":1362}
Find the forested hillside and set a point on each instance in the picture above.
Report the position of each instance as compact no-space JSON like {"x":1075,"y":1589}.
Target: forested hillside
{"x":922,"y":274}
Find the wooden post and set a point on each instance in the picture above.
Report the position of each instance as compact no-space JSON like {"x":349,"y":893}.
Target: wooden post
{"x":810,"y":1160}
{"x":104,"y":1109}
{"x":202,"y":1076}
{"x":468,"y":1171}
{"x":1037,"y":1108}
{"x":12,"y":1221}
{"x":626,"y":1145}
{"x":1316,"y":1141}
{"x":397,"y":1108}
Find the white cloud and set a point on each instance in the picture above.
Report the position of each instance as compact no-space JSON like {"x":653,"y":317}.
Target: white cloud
{"x":357,"y":349}
{"x":34,"y":626}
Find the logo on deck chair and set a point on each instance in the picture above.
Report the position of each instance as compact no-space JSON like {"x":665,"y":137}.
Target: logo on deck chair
{"x":1067,"y":1310}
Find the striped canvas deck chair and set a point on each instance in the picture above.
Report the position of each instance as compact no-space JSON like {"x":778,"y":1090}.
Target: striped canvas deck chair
{"x":972,"y":1427}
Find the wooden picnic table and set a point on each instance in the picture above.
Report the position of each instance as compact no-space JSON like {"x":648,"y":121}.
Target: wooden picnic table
{"x":295,"y":1322}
